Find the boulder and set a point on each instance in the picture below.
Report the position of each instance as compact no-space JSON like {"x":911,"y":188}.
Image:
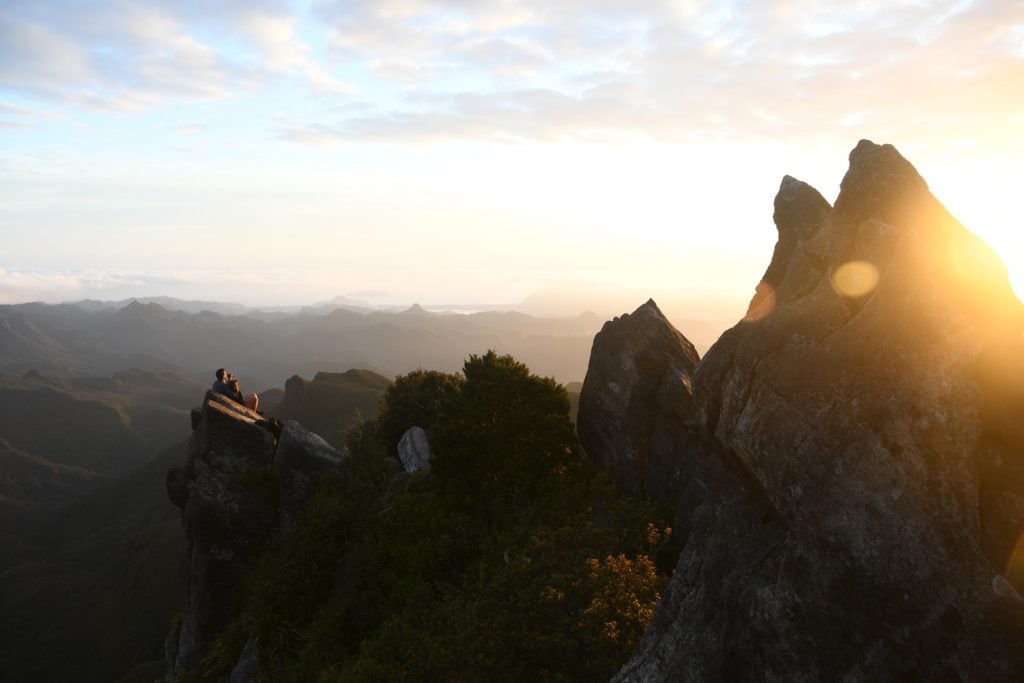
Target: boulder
{"x":301,"y":461}
{"x":414,"y":451}
{"x":871,"y":417}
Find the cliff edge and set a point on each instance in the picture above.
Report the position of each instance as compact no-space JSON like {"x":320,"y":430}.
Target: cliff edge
{"x":244,"y":479}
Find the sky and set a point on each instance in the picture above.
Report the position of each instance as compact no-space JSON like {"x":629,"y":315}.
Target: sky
{"x":565,"y":153}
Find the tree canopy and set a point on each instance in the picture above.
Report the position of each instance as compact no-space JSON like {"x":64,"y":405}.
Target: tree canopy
{"x":512,"y":559}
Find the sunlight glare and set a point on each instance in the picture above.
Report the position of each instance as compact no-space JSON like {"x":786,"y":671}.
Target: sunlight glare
{"x":1014,"y":570}
{"x":982,"y":194}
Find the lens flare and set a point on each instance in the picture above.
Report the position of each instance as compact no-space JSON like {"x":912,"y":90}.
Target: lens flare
{"x":855,"y":279}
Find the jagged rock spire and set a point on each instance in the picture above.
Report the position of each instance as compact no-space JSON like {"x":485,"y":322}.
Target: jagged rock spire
{"x":870,"y":417}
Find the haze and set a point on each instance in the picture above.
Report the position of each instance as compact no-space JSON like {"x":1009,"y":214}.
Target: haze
{"x":476,"y":153}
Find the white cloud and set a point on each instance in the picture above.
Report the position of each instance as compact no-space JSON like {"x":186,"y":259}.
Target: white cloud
{"x":323,"y":82}
{"x":533,"y":69}
{"x":22,"y":286}
{"x":54,"y":286}
{"x":35,"y":58}
{"x":124,"y":56}
{"x":313,"y":135}
{"x":275,"y":36}
{"x":189,"y":128}
{"x":678,"y":69}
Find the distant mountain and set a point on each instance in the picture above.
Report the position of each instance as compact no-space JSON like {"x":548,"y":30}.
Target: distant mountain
{"x":90,"y":596}
{"x":703,"y":315}
{"x":60,"y":437}
{"x":268,"y":347}
{"x":110,"y":564}
{"x":341,"y":301}
{"x":168,"y":302}
{"x":29,"y":480}
{"x":332,"y":402}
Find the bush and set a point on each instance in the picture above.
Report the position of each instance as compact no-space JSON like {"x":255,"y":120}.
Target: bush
{"x":413,"y":400}
{"x":502,"y":437}
{"x":513,"y":559}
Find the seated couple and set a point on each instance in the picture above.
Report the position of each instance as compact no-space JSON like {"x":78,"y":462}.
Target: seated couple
{"x":227,"y":385}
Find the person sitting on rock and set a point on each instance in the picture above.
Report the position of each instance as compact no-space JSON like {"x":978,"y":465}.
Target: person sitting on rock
{"x":220,"y":386}
{"x":252,"y":403}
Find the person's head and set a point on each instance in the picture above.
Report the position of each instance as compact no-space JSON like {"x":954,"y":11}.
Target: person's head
{"x":235,"y":385}
{"x":220,"y":373}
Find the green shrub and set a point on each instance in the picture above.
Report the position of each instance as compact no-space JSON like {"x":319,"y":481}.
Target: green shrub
{"x":414,"y":400}
{"x":513,"y":559}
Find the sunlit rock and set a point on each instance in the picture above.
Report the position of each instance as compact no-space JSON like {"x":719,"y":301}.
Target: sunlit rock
{"x":876,"y":434}
{"x":800,"y":212}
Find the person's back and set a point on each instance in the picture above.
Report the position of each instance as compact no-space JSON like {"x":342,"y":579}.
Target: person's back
{"x":221,"y":386}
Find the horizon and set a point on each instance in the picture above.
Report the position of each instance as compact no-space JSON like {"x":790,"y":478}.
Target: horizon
{"x":280,"y":154}
{"x":701,"y":328}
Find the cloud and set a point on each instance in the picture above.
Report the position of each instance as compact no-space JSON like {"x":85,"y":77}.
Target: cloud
{"x":282,"y":51}
{"x":123,"y":56}
{"x":274,"y":35}
{"x":135,"y":56}
{"x":22,"y":286}
{"x":679,"y":70}
{"x":189,"y":128}
{"x":55,"y":286}
{"x":538,"y":70}
{"x":313,"y":135}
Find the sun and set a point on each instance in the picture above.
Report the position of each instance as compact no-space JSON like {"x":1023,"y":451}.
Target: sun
{"x":1006,"y":241}
{"x":982,"y":193}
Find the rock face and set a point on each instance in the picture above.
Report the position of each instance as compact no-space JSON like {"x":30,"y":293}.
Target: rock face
{"x":244,"y":479}
{"x":414,"y":450}
{"x":301,"y":461}
{"x":869,"y":411}
{"x":637,"y":418}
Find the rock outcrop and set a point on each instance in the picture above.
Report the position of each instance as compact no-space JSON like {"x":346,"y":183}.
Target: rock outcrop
{"x":869,"y":411}
{"x":414,"y":450}
{"x":245,"y":478}
{"x":637,"y":418}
